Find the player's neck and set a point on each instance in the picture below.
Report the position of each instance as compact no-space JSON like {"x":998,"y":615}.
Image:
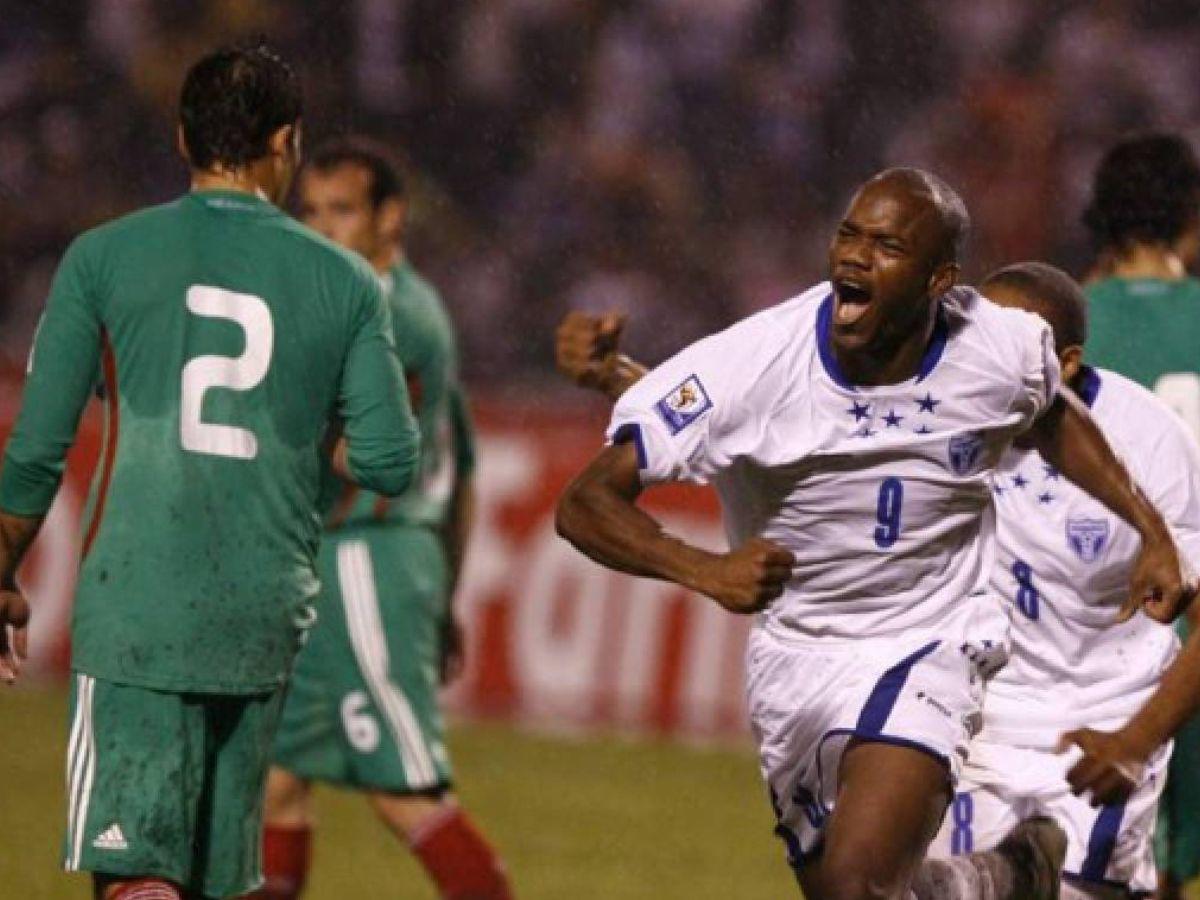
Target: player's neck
{"x":385,"y":260}
{"x":871,"y":367}
{"x":1147,"y":261}
{"x":239,"y":180}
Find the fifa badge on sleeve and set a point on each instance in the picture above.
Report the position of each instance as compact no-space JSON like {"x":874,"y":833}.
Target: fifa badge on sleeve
{"x":686,"y":403}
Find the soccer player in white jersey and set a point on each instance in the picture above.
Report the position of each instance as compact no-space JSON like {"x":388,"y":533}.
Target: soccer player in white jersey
{"x":851,"y":434}
{"x":1062,"y":567}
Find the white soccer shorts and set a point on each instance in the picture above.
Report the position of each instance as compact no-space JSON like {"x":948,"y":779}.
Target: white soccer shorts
{"x":1002,"y":784}
{"x":807,"y":699}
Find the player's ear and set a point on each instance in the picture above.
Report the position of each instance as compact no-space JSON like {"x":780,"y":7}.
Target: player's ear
{"x":285,"y":141}
{"x":1071,"y":361}
{"x":393,"y":213}
{"x":944,"y":277}
{"x":181,"y":144}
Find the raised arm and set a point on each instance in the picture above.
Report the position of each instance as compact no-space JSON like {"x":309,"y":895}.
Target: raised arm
{"x":1068,"y":439}
{"x":599,"y":514}
{"x":585,"y":349}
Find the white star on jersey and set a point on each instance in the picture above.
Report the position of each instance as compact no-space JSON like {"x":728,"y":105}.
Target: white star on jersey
{"x":1063,"y":564}
{"x":882,"y":493}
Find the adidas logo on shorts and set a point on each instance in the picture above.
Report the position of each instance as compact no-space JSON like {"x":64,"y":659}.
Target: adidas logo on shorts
{"x":111,"y":838}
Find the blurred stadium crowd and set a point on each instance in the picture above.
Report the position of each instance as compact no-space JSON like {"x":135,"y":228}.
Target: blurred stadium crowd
{"x":680,"y":159}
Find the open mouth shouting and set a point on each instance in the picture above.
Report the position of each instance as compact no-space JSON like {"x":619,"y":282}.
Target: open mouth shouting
{"x":853,"y":300}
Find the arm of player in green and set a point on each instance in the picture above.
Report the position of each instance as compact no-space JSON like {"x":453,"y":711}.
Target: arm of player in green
{"x":62,"y":371}
{"x":382,"y":440}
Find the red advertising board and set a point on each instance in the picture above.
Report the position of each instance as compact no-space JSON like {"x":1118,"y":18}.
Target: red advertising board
{"x":554,"y":638}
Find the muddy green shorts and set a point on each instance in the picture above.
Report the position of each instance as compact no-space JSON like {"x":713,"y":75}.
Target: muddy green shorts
{"x":168,"y":784}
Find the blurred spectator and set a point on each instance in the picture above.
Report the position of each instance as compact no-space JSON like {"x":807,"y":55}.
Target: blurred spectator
{"x":682,"y":159}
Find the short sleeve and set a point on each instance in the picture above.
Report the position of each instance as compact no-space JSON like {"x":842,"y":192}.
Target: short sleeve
{"x":1040,"y":374}
{"x":1170,"y":476}
{"x":679,"y":416}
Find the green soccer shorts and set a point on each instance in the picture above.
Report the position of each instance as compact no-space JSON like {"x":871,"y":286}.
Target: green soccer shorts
{"x":168,"y":784}
{"x":1178,"y":837}
{"x":361,"y":709}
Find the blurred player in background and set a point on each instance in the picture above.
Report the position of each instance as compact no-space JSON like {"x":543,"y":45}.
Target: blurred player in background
{"x":1144,"y":217}
{"x":362,"y":709}
{"x":851,"y":434}
{"x":228,"y":335}
{"x":1062,"y":566}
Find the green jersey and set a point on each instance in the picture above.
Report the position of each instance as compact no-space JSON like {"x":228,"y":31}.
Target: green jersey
{"x":1149,"y":330}
{"x":229,"y":336}
{"x":426,"y":346}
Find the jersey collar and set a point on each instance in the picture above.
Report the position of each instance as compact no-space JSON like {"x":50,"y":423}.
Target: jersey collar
{"x":1089,"y":385}
{"x":235,"y":201}
{"x":929,"y":360}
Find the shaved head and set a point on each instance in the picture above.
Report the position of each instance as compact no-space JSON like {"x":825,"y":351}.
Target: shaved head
{"x":1047,"y":291}
{"x":952,"y":214}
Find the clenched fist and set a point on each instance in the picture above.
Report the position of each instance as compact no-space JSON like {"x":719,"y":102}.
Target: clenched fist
{"x":748,"y":578}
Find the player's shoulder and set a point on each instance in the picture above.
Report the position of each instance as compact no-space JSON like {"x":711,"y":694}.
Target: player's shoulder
{"x":131,"y":226}
{"x":1124,"y":407}
{"x":771,"y":331}
{"x":325,"y":253}
{"x":979,"y":317}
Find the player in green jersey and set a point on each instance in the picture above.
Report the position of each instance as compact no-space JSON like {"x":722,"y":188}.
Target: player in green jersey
{"x":362,"y":709}
{"x":231,"y":340}
{"x":1144,"y":217}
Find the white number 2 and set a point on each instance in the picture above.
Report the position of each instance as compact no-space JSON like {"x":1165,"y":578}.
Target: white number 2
{"x":237,"y":373}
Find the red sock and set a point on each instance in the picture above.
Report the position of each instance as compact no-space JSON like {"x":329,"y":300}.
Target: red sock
{"x":459,"y":860}
{"x":145,"y":889}
{"x":286,"y":856}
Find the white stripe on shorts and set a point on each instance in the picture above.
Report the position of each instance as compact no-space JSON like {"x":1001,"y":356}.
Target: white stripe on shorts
{"x":81,"y":769}
{"x":357,"y":582}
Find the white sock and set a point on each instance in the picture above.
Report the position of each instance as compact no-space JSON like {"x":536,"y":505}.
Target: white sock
{"x":976,"y":876}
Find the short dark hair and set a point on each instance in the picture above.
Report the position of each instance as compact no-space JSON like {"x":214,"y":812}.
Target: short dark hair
{"x":1058,"y":297}
{"x":233,"y":100}
{"x":955,"y":220}
{"x":1145,"y":190}
{"x":355,"y":150}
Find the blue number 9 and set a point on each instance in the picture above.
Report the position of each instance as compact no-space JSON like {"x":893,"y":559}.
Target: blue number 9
{"x":891,"y":498}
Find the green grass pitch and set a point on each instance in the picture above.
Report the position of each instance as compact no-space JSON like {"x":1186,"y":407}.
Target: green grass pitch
{"x":576,"y":819}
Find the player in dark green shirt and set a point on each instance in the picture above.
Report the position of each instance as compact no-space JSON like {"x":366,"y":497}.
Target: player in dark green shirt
{"x":362,"y":711}
{"x":231,"y":339}
{"x":1145,"y":323}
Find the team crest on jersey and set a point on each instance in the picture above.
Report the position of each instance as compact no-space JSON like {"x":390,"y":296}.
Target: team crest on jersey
{"x":684,"y":405}
{"x":1087,"y":537}
{"x":965,"y":451}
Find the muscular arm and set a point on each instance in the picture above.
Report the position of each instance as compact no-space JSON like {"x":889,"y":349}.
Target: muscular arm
{"x":599,"y":514}
{"x":1068,"y":439}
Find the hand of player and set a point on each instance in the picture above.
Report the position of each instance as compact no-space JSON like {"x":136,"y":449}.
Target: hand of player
{"x":452,"y":659}
{"x":1161,"y":583}
{"x":585,"y":348}
{"x":14,"y":616}
{"x":1111,"y":767}
{"x":746,"y":579}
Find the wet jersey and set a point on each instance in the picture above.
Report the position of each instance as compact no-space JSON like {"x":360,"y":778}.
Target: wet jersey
{"x":228,"y":336}
{"x":882,"y":493}
{"x":1063,"y":565}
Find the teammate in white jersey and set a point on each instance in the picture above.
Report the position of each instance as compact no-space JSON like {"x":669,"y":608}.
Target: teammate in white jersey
{"x":1062,"y":569}
{"x":851,"y":434}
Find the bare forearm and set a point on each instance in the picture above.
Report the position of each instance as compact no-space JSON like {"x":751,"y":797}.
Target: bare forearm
{"x":1175,"y":701}
{"x":457,"y":531}
{"x":1068,"y":439}
{"x":612,"y":530}
{"x":626,"y":373}
{"x":16,"y":534}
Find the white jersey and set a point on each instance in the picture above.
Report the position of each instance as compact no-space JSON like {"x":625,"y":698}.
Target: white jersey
{"x":882,"y":493}
{"x":1062,"y":566}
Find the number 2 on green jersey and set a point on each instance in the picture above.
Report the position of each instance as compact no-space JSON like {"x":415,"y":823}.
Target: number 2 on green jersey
{"x":235,"y":373}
